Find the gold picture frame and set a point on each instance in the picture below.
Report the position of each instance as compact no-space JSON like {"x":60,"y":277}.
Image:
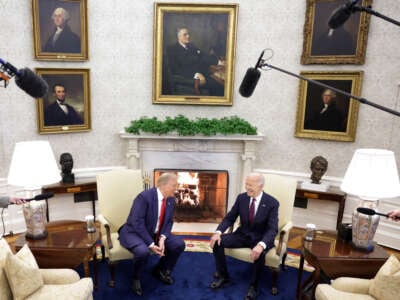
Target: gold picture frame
{"x":72,"y":114}
{"x":337,"y":120}
{"x":344,"y":45}
{"x":60,"y":30}
{"x":201,"y":70}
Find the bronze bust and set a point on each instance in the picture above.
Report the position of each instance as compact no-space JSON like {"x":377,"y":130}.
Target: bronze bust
{"x":318,"y":167}
{"x":67,"y":164}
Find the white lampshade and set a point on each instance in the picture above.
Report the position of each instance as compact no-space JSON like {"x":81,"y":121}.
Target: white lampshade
{"x":33,"y":165}
{"x":372,"y":174}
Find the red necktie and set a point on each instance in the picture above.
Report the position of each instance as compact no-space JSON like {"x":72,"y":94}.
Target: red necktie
{"x":161,"y":219}
{"x":252,"y":210}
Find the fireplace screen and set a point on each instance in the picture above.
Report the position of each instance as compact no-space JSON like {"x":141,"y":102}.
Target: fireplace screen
{"x":201,"y":195}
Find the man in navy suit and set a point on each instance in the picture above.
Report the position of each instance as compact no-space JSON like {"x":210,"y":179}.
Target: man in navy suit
{"x":147,"y":231}
{"x":258,"y":214}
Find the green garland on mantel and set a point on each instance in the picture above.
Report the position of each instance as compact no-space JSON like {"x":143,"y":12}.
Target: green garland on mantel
{"x":183,"y":126}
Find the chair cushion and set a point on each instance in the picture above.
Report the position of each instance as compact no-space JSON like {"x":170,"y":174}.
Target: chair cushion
{"x":386,"y":284}
{"x":327,"y":292}
{"x":5,"y":291}
{"x":23,"y":273}
{"x":117,"y":252}
{"x":271,"y":259}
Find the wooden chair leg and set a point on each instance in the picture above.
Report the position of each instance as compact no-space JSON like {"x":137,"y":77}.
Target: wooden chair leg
{"x":111,"y":266}
{"x":274,"y":288}
{"x":283,"y":265}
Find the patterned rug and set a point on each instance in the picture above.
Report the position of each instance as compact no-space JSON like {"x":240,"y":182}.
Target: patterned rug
{"x":201,"y":244}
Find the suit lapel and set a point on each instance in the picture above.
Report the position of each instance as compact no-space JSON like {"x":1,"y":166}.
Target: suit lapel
{"x":261,"y":207}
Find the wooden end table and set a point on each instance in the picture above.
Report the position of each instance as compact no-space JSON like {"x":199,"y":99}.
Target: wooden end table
{"x":67,"y":245}
{"x":334,"y":257}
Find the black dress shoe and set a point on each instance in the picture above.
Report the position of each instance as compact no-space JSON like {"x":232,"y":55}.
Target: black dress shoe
{"x":137,"y":287}
{"x":220,"y":282}
{"x":164,"y":276}
{"x":252,"y":293}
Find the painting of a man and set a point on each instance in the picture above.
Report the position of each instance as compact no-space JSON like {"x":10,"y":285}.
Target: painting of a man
{"x":60,"y":113}
{"x":62,"y":38}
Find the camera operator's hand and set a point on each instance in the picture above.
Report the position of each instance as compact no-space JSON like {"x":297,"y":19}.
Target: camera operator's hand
{"x":16,"y":200}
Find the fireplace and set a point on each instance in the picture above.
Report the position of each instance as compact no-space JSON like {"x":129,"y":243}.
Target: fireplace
{"x":201,"y":196}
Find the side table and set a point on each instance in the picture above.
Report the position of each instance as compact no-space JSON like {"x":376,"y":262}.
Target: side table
{"x":332,"y":194}
{"x":80,"y":186}
{"x":334,"y":257}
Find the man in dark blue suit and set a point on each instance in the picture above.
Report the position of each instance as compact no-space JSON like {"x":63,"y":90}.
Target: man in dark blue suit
{"x":148,"y":230}
{"x":258,"y":214}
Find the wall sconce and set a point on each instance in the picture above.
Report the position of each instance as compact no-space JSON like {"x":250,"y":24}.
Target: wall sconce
{"x":371,"y":175}
{"x":33,"y":165}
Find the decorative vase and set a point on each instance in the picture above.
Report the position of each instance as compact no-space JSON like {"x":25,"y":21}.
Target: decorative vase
{"x":364,"y":226}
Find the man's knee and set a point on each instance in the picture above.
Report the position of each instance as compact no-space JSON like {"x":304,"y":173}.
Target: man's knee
{"x":140,"y":252}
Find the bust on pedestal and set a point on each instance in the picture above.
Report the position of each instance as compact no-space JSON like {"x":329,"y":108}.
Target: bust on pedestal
{"x":67,"y":164}
{"x":318,"y":167}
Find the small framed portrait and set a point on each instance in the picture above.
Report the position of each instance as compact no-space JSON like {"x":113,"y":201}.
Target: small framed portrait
{"x":60,"y":30}
{"x":194,"y":53}
{"x":345,"y":44}
{"x":66,"y":106}
{"x":323,"y":113}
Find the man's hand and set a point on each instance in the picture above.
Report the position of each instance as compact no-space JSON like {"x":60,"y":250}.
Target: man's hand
{"x":216,"y":237}
{"x":202,"y":78}
{"x":17,"y":200}
{"x":256,"y":252}
{"x":161,"y":244}
{"x":157,"y":250}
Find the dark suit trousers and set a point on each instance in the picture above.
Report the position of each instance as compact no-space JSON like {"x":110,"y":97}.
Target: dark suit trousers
{"x":174,"y":246}
{"x":237,"y":240}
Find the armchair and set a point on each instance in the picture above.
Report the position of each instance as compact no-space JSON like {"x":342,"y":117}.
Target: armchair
{"x":21,"y":278}
{"x":116,"y":191}
{"x":384,"y":286}
{"x":284,"y":190}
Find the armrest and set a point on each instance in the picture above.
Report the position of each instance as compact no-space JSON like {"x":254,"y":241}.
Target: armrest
{"x":106,"y":225}
{"x":59,"y":276}
{"x":282,"y":233}
{"x":351,"y":285}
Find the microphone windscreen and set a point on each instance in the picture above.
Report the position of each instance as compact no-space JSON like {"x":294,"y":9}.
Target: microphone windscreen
{"x":339,"y":16}
{"x":249,"y":82}
{"x":366,"y":211}
{"x":31,"y":83}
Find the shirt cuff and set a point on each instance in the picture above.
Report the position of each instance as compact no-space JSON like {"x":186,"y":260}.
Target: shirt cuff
{"x":151,"y":245}
{"x":262,"y":244}
{"x":218,"y":231}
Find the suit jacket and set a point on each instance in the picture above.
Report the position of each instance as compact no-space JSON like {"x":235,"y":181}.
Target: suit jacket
{"x":265,"y":225}
{"x":188,"y":62}
{"x":142,"y":220}
{"x":54,"y":116}
{"x":330,"y":120}
{"x":4,"y":201}
{"x":67,"y":42}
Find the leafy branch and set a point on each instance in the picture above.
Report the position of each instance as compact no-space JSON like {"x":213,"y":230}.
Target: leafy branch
{"x":184,"y":126}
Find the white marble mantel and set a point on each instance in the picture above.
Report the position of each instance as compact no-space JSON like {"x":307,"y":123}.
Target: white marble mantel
{"x":234,"y":153}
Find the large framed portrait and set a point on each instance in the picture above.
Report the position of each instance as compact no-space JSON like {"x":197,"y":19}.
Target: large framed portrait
{"x":66,"y":106}
{"x":60,"y":30}
{"x":344,"y":45}
{"x":325,"y":114}
{"x":194,"y":53}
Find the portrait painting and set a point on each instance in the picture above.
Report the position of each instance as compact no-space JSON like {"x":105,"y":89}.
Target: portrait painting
{"x":324,"y":112}
{"x":60,"y":30}
{"x":66,"y":106}
{"x":345,"y":44}
{"x":194,"y":52}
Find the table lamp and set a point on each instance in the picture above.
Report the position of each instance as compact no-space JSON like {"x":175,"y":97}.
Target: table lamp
{"x":33,"y":165}
{"x":371,"y":175}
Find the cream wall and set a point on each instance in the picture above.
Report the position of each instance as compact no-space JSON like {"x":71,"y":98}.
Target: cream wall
{"x":121,"y":41}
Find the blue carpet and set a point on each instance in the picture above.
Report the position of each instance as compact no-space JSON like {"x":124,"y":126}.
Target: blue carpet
{"x":193,"y":275}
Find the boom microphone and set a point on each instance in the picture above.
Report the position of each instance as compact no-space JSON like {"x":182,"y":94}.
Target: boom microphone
{"x":341,"y":14}
{"x":251,"y":78}
{"x":25,"y":79}
{"x":41,"y":196}
{"x":371,"y":212}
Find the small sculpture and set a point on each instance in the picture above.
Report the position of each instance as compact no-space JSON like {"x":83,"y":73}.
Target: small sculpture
{"x":67,"y":164}
{"x":318,"y":167}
